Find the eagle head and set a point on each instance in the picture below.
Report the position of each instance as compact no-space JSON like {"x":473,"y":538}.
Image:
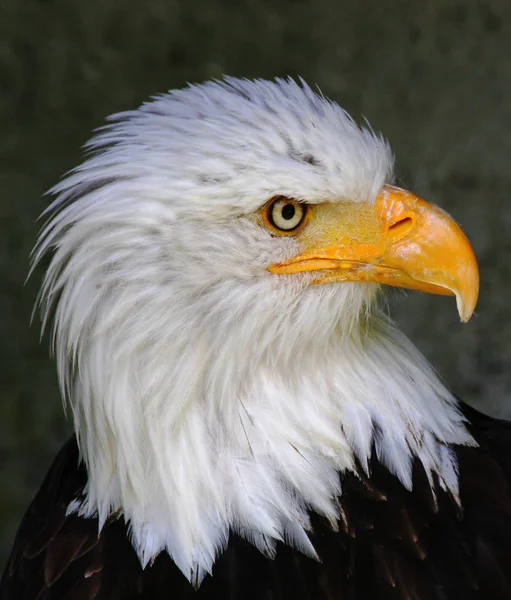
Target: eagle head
{"x":213,"y":292}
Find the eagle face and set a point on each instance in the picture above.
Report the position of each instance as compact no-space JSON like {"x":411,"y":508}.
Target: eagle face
{"x":212,"y":288}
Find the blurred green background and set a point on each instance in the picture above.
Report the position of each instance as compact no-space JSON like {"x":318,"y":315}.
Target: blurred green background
{"x":434,"y":76}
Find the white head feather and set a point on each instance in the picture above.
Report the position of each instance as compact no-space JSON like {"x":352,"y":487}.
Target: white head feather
{"x":209,"y":395}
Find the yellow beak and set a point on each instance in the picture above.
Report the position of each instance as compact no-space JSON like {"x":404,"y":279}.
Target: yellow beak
{"x":401,"y":240}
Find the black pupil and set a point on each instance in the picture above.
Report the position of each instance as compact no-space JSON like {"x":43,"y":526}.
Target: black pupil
{"x":288,"y":212}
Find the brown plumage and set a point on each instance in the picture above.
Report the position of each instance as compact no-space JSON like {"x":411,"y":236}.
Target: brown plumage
{"x":389,"y":543}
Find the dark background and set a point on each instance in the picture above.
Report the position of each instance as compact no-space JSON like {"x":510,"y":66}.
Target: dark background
{"x":434,"y":76}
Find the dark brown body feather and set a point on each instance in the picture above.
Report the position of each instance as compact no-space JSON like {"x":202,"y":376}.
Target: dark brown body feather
{"x":391,"y":544}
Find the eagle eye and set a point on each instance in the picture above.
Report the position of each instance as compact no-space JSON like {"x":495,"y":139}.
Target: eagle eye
{"x":285,"y":216}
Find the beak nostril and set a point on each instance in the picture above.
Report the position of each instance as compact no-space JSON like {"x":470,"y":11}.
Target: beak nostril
{"x":401,"y":227}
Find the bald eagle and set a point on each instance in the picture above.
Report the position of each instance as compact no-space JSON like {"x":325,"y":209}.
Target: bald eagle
{"x":248,"y":422}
